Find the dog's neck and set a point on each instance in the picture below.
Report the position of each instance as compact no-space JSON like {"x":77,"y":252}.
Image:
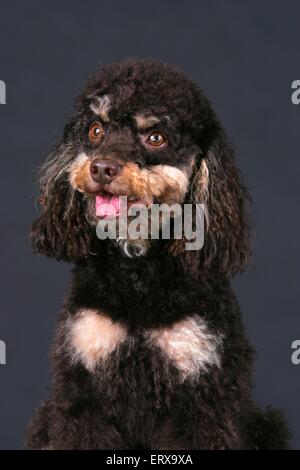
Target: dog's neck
{"x":105,"y":280}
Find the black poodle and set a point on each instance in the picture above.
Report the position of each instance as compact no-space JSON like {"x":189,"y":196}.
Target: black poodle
{"x":150,"y":351}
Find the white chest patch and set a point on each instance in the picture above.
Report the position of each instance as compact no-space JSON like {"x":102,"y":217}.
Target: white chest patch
{"x":93,"y":336}
{"x":189,"y":345}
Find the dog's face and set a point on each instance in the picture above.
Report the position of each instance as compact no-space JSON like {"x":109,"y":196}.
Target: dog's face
{"x":126,"y":148}
{"x":140,"y":130}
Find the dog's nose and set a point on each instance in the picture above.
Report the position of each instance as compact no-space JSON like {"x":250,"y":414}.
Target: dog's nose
{"x":103,"y":171}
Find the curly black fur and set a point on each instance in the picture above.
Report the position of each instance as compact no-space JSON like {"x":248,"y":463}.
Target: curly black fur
{"x":136,"y":399}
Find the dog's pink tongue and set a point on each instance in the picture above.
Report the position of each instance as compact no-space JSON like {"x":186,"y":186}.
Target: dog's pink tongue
{"x":107,"y":206}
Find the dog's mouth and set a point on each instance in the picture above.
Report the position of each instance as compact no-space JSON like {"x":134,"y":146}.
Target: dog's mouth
{"x":111,"y":205}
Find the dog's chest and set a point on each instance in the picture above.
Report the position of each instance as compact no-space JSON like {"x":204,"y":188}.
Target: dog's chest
{"x":188,"y":345}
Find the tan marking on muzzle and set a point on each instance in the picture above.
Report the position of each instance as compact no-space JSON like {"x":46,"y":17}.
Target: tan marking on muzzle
{"x":93,"y":337}
{"x":80,"y":178}
{"x":164,"y":183}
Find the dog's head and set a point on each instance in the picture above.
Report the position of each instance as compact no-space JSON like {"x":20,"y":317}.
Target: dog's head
{"x":144,"y":131}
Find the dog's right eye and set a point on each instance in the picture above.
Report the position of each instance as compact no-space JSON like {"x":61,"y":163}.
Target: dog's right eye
{"x":96,"y":133}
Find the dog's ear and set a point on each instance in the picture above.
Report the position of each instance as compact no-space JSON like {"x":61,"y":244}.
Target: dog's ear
{"x":217,"y":184}
{"x":220,"y":187}
{"x":61,"y":229}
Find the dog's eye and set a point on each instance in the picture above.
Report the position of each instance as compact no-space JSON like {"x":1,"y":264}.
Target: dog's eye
{"x":156,"y":139}
{"x":96,"y":132}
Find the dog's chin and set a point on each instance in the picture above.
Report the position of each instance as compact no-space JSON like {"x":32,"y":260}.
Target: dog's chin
{"x":133,"y":248}
{"x":109,"y":212}
{"x":98,"y":209}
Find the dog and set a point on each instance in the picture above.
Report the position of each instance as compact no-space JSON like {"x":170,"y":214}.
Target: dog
{"x":150,"y":351}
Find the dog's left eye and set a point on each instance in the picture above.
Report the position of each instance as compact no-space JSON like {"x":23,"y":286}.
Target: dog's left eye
{"x":156,"y":139}
{"x":96,"y":132}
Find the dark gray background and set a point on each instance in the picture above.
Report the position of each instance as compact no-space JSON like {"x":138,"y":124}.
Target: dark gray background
{"x":245,"y":56}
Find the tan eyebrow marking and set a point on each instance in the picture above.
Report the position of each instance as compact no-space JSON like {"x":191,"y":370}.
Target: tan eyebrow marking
{"x":101,"y":106}
{"x":143,"y":122}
